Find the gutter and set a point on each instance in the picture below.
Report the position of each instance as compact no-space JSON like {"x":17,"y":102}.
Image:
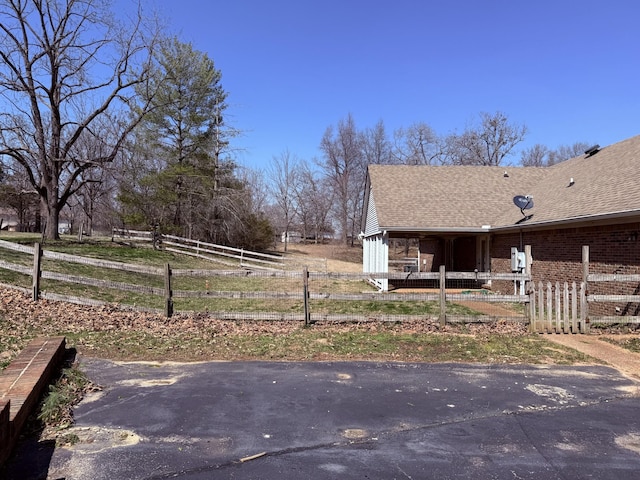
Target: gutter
{"x":517,"y":227}
{"x":435,"y":230}
{"x":569,"y":221}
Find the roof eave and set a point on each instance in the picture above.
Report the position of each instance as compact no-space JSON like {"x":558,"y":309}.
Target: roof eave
{"x":622,"y":215}
{"x":570,"y":221}
{"x":436,"y":229}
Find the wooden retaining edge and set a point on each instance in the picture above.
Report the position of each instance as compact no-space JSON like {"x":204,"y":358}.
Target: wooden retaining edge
{"x":21,"y":385}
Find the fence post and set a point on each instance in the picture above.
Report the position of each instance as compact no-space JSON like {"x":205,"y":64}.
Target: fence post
{"x":541,"y":306}
{"x":305,"y":294}
{"x":528,"y":288}
{"x":574,"y":308}
{"x":550,"y":308}
{"x":443,"y":297}
{"x":558,"y":315}
{"x":168,"y":294}
{"x":532,"y":308}
{"x":584,"y":306}
{"x":37,"y":264}
{"x":565,"y":305}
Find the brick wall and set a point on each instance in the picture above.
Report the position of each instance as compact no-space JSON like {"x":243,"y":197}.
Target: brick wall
{"x":431,"y":254}
{"x":557,"y":257}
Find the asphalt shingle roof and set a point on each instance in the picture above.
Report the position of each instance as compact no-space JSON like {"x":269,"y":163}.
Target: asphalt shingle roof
{"x":470,"y":197}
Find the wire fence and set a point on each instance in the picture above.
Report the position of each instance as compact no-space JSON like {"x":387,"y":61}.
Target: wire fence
{"x":263,"y":294}
{"x":304,"y":295}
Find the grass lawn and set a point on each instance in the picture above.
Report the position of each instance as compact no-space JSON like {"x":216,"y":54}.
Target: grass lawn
{"x":113,"y":333}
{"x":228,"y":293}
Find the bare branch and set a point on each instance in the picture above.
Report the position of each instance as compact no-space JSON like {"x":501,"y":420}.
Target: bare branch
{"x":65,"y":69}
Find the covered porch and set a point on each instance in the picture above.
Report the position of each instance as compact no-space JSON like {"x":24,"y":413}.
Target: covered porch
{"x":457,"y":251}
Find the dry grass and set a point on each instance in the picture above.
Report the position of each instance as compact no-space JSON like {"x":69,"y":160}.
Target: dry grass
{"x":339,"y":257}
{"x":111,"y":333}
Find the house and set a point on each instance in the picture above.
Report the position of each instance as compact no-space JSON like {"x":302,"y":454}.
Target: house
{"x":8,"y":220}
{"x":291,"y":237}
{"x":465,"y":217}
{"x":64,"y":228}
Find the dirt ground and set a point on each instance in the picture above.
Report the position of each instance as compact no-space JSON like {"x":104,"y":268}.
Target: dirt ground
{"x":339,"y":257}
{"x":627,"y":362}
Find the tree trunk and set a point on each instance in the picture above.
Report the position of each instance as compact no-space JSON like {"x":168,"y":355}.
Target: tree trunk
{"x":52,"y":215}
{"x":89,"y":217}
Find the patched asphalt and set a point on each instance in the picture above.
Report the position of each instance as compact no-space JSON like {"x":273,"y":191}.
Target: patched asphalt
{"x":349,"y":420}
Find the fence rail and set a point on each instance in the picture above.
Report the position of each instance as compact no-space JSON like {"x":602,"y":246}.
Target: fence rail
{"x":221,"y":254}
{"x":274,"y":294}
{"x":560,"y":308}
{"x":311,"y":296}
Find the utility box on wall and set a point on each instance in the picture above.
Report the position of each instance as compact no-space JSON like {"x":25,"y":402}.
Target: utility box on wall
{"x":518,"y":260}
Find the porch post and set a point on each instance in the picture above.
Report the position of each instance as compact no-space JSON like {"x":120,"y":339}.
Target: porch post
{"x":365,"y":255}
{"x":384,"y":258}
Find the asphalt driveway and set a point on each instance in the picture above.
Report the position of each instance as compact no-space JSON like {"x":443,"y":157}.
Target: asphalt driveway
{"x":258,"y":420}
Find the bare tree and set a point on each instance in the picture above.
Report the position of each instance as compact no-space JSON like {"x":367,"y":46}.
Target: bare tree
{"x":536,"y":156}
{"x":68,"y":72}
{"x":541,"y":156}
{"x":19,"y":196}
{"x":487,"y":144}
{"x":98,"y":188}
{"x":376,"y":147}
{"x":565,"y":152}
{"x":417,"y":145}
{"x":95,"y":186}
{"x":343,"y":163}
{"x":255,"y":182}
{"x":282,"y":172}
{"x":314,"y":202}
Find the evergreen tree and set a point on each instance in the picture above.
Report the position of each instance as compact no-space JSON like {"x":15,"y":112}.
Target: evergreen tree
{"x":179,"y":152}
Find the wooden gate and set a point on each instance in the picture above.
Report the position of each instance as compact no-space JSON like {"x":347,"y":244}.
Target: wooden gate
{"x":558,"y":308}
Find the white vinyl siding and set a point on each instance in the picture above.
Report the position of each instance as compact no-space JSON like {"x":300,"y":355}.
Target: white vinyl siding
{"x":375,"y":258}
{"x":372,"y":226}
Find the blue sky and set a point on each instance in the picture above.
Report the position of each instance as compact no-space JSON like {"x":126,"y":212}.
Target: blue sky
{"x":567,"y":69}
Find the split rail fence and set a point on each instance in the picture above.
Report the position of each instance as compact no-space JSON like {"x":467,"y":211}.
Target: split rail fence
{"x":310,"y":297}
{"x":242,"y":294}
{"x":221,"y":254}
